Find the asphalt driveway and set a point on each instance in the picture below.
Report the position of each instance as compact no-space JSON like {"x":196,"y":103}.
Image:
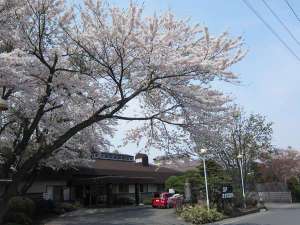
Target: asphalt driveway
{"x":119,"y":216}
{"x":278,"y":214}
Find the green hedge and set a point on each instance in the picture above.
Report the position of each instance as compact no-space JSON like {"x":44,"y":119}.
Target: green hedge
{"x":147,"y":200}
{"x":200,"y":215}
{"x":17,"y":218}
{"x":12,"y":223}
{"x":294,"y":187}
{"x":20,"y":211}
{"x":21,"y":205}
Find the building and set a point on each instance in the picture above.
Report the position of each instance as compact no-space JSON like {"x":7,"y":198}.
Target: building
{"x":110,"y":179}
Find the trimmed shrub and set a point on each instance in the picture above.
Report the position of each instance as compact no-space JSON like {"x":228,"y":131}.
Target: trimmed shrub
{"x":251,"y":202}
{"x":12,"y":223}
{"x":238,"y":200}
{"x":44,"y":206}
{"x":294,"y":187}
{"x":21,"y":205}
{"x":147,"y":200}
{"x":200,"y":215}
{"x":124,"y":201}
{"x":229,"y":210}
{"x":17,"y":218}
{"x":67,"y":207}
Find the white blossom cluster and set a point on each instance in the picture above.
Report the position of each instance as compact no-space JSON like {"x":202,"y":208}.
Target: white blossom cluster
{"x":70,"y":75}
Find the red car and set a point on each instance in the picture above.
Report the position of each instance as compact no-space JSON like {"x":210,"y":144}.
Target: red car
{"x":162,"y":201}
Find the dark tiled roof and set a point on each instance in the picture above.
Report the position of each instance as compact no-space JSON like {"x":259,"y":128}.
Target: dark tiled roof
{"x":131,"y":169}
{"x":128,"y":166}
{"x":102,"y":167}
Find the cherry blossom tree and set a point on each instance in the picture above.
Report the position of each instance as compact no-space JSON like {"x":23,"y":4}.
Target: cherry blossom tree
{"x":69,"y":75}
{"x":279,"y":166}
{"x":247,"y":136}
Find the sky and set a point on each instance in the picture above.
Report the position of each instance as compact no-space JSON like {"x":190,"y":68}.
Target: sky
{"x":269,"y":73}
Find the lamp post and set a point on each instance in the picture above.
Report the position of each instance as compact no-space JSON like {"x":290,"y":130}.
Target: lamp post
{"x":240,"y":158}
{"x":203,"y":151}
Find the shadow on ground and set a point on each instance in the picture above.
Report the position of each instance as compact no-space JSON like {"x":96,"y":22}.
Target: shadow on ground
{"x":120,"y":216}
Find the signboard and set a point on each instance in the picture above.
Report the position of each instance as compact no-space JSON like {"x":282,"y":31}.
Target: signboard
{"x":227,"y":192}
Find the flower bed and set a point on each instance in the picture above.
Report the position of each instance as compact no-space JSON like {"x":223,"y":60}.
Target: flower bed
{"x":200,"y":215}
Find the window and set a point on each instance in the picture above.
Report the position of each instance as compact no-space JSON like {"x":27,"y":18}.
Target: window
{"x":143,"y":188}
{"x":123,"y":188}
{"x":57,"y":193}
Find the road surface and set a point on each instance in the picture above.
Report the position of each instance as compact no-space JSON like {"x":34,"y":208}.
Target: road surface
{"x":119,"y":216}
{"x":278,"y":214}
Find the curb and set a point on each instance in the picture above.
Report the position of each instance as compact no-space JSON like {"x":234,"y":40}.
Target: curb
{"x":236,"y":219}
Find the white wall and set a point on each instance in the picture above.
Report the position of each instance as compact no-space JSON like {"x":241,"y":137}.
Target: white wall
{"x":152,"y":188}
{"x":40,"y":187}
{"x":66,"y":194}
{"x":49,"y":193}
{"x":131,"y":188}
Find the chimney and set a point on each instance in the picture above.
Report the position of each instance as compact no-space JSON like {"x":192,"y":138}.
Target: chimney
{"x":142,"y":158}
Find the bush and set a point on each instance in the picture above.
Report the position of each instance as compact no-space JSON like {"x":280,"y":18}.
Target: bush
{"x":294,"y":187}
{"x":251,"y":202}
{"x":17,"y":218}
{"x":238,"y":200}
{"x":200,"y":215}
{"x":12,"y":223}
{"x":229,"y":210}
{"x":44,"y":206}
{"x":67,"y":207}
{"x":21,"y":205}
{"x":124,"y":201}
{"x":147,"y":200}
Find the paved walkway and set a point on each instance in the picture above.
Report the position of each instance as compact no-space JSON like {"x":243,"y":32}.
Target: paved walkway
{"x":120,"y":216}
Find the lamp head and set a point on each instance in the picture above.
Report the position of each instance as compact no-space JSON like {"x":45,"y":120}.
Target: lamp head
{"x":240,"y":156}
{"x":203,"y":151}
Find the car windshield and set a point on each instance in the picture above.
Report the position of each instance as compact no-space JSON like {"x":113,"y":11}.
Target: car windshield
{"x":165,"y":195}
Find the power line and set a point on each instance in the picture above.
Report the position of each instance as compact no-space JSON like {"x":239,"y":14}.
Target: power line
{"x":293,"y":11}
{"x":281,"y":22}
{"x":271,"y":29}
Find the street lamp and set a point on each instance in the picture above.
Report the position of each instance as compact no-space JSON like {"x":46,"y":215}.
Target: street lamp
{"x":203,"y":151}
{"x":240,"y":158}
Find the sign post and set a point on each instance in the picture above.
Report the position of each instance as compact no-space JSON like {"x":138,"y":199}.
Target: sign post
{"x":226,"y":194}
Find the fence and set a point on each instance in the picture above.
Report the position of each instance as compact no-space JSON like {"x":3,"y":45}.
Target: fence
{"x":275,"y":196}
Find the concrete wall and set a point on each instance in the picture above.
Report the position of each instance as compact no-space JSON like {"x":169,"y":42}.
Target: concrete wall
{"x":285,"y":196}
